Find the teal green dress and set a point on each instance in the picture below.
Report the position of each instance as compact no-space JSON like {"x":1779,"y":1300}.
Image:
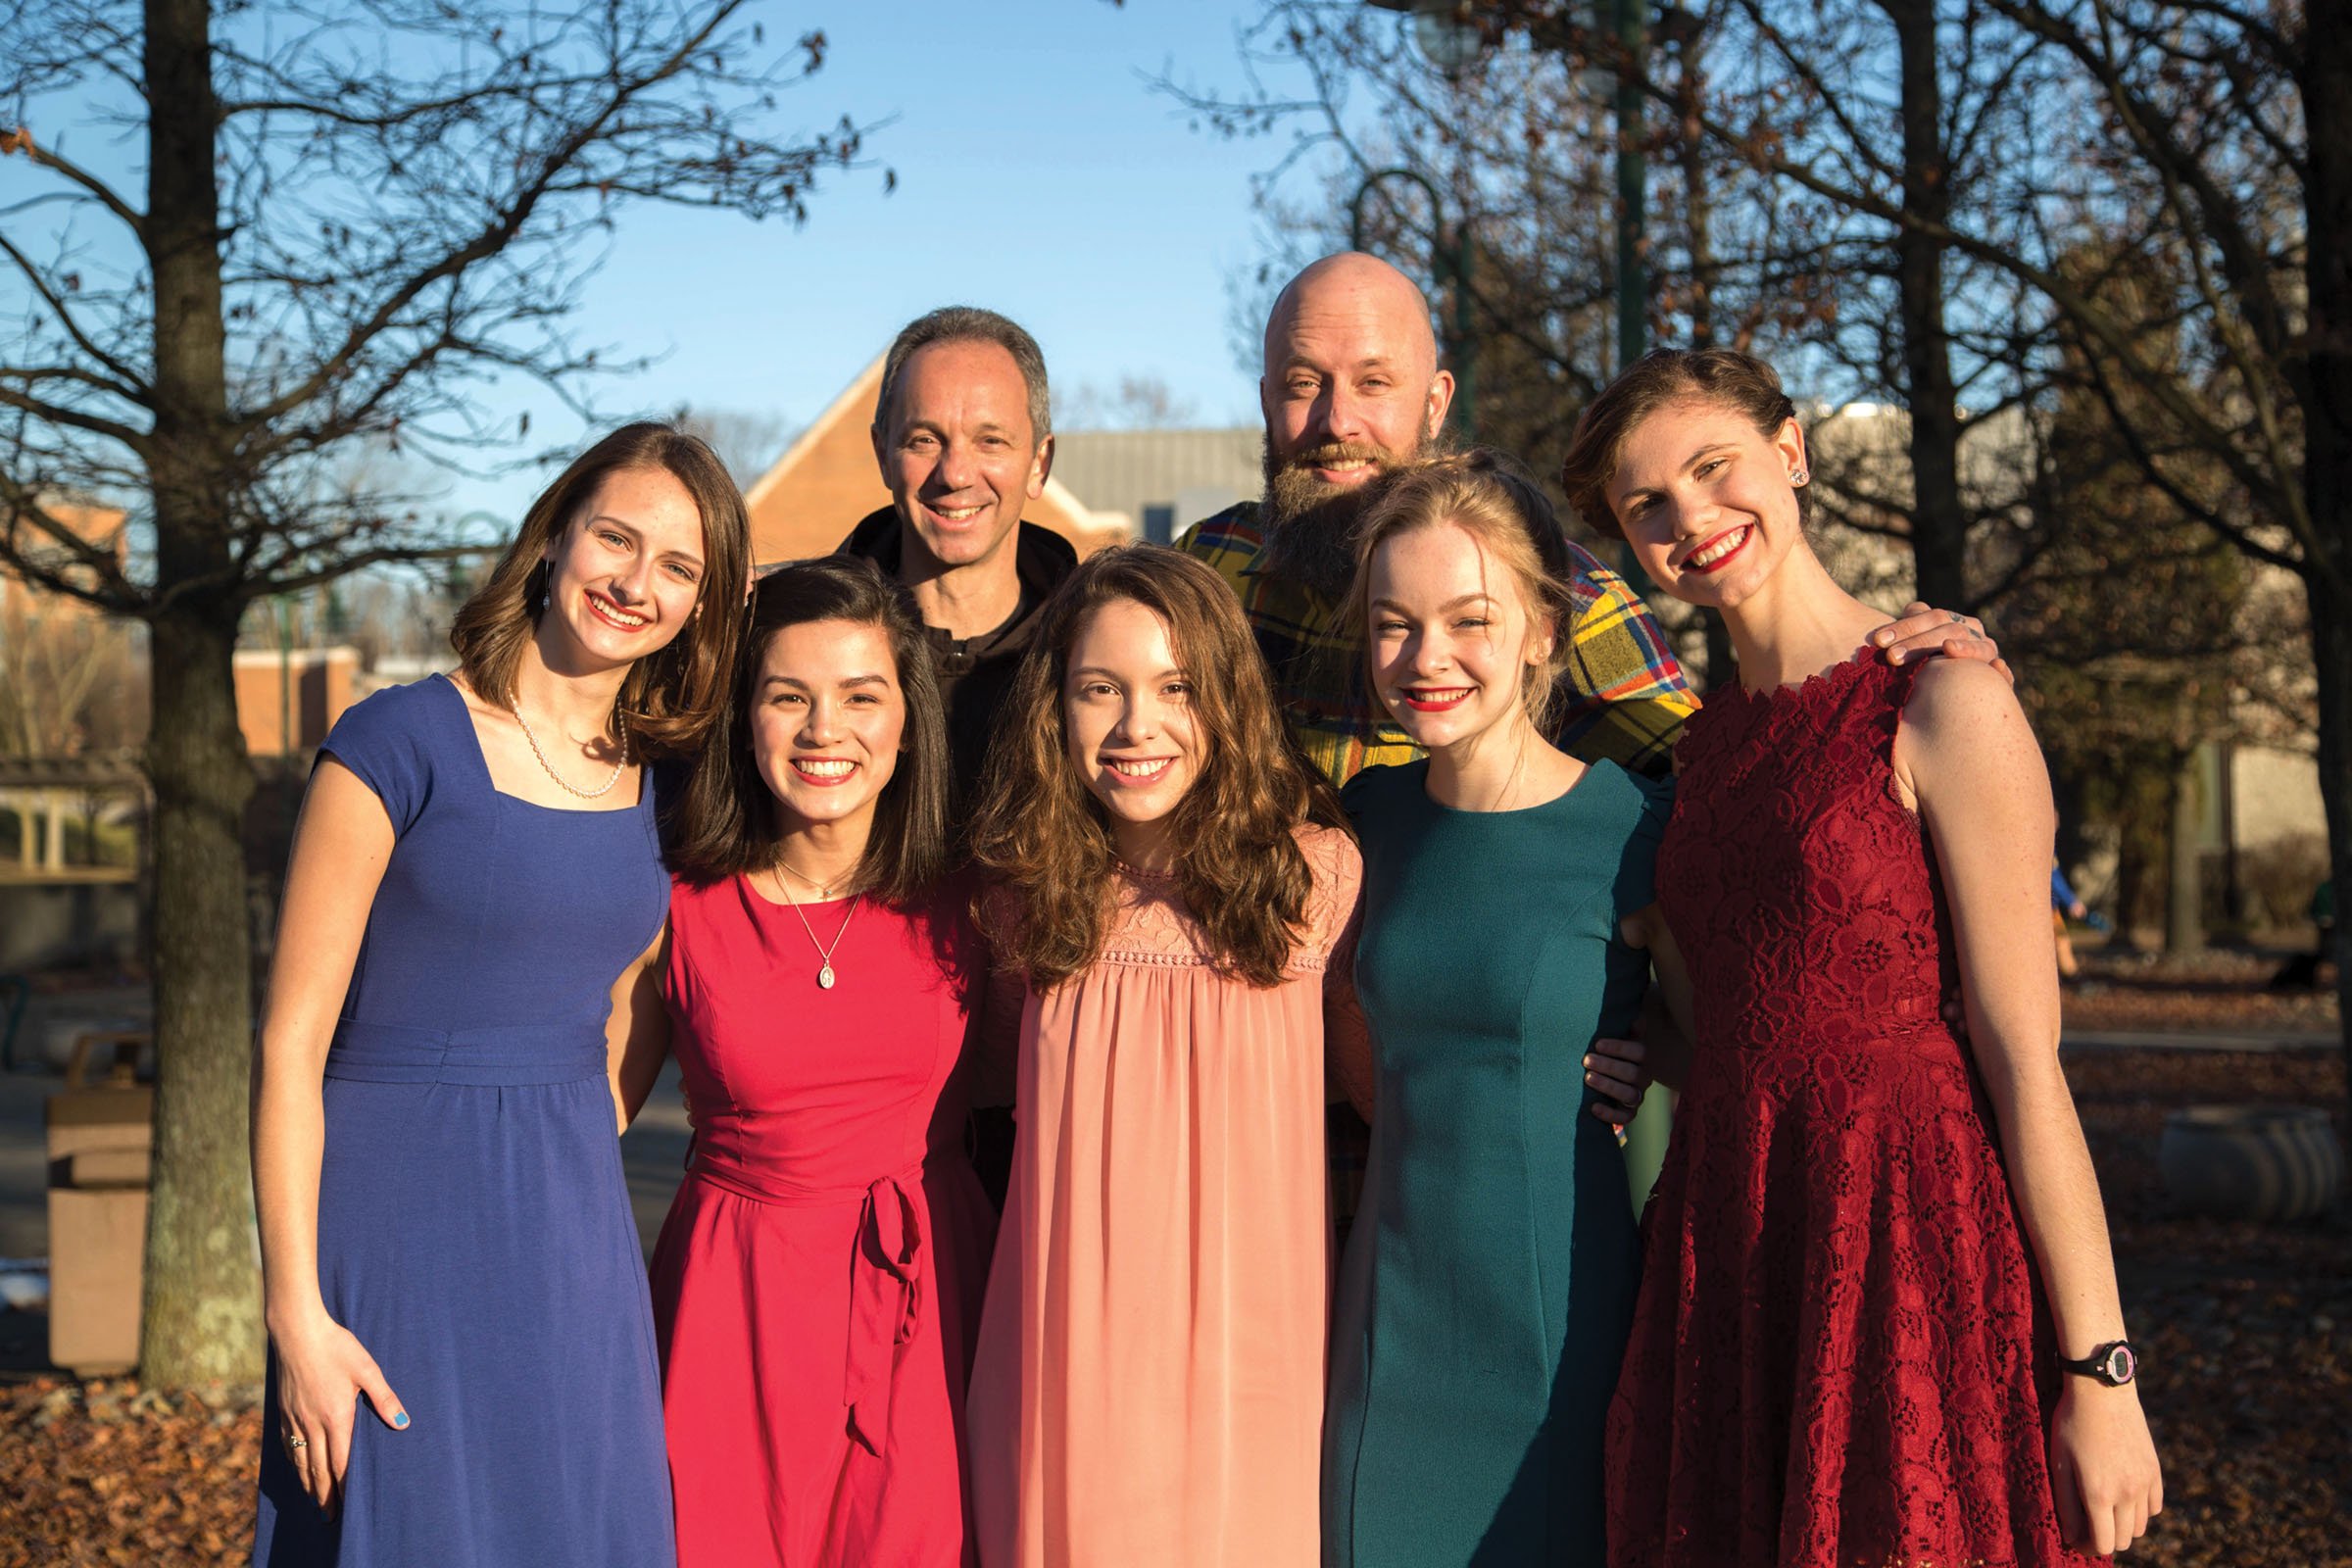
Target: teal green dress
{"x":1488,"y":1283}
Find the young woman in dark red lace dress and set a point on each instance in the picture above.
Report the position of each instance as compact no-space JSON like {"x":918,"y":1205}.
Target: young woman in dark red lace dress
{"x":1877,"y":1321}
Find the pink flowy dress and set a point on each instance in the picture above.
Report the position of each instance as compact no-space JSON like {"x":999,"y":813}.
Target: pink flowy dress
{"x":1149,"y":1386}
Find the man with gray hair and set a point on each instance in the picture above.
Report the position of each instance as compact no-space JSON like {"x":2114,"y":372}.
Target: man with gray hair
{"x":964,"y":433}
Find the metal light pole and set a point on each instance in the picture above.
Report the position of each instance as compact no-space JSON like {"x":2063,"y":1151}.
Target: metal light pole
{"x":1444,"y":263}
{"x":1629,"y":20}
{"x":1448,"y":37}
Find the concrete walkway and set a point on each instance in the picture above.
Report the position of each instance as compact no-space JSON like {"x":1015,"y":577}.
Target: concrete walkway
{"x":2206,"y":1040}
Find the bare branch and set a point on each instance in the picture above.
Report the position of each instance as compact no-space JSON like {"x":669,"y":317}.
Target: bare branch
{"x":21,"y":140}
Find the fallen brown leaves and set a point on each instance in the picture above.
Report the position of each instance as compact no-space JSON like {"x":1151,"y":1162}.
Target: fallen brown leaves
{"x":2224,"y":990}
{"x":2247,"y":1328}
{"x":106,"y":1475}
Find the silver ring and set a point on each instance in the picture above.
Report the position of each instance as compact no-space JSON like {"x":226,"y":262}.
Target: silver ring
{"x":297,"y":1443}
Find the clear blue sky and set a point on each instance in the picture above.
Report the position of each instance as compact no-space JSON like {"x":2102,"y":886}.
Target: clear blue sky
{"x":1037,"y":173}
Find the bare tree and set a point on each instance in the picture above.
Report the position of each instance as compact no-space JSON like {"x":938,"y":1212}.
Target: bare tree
{"x":335,"y":223}
{"x":1136,"y":403}
{"x":748,"y":442}
{"x":2214,"y":135}
{"x":68,"y":679}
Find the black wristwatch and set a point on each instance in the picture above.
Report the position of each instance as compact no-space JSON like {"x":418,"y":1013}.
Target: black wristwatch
{"x":2114,"y":1363}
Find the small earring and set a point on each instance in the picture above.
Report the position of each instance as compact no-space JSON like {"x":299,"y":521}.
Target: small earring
{"x":1798,"y":477}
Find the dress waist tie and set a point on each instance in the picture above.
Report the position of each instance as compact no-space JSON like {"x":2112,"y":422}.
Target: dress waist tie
{"x":885,"y":1303}
{"x":884,"y":1280}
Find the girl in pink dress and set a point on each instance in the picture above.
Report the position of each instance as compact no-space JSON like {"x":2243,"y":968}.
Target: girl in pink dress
{"x":818,"y":1282}
{"x":1172,"y":881}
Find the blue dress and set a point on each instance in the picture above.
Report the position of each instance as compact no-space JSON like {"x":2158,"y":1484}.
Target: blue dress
{"x":474,"y":1223}
{"x":1488,"y":1288}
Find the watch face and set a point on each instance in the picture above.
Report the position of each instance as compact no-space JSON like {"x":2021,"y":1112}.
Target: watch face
{"x":2121,"y":1364}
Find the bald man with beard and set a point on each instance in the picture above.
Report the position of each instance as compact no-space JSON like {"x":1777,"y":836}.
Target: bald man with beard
{"x":1352,"y":388}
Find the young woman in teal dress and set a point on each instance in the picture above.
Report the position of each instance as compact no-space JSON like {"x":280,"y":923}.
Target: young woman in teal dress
{"x":1489,"y":1282}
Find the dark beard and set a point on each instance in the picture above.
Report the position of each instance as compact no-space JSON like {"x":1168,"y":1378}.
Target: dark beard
{"x":1310,"y":526}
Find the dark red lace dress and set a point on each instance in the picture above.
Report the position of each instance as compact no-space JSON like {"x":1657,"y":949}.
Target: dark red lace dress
{"x":1839,"y":1355}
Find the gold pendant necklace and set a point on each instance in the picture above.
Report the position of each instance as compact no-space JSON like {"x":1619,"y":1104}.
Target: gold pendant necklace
{"x":825,"y":953}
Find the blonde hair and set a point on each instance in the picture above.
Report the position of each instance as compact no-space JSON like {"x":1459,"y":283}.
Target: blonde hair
{"x":1489,"y":497}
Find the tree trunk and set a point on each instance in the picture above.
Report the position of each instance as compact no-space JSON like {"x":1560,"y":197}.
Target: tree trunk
{"x":2326,"y":97}
{"x":1938,"y":522}
{"x":203,"y":1318}
{"x":2184,"y":889}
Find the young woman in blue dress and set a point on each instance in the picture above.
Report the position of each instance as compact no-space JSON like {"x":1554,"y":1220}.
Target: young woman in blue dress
{"x":446,"y":1234}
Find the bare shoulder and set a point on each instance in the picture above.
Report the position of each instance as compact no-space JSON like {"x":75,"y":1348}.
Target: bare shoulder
{"x":1964,"y":742}
{"x":1953,"y":699}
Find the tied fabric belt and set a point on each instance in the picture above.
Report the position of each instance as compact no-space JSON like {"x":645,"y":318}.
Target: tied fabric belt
{"x":501,"y":1057}
{"x":885,"y":1292}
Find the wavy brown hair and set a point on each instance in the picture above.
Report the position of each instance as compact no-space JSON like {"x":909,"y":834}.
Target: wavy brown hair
{"x":671,"y":697}
{"x":1041,"y":839}
{"x":723,"y":824}
{"x":1489,"y":497}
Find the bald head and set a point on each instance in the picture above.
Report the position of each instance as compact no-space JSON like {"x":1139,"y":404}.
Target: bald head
{"x":1352,"y":389}
{"x":1358,"y":290}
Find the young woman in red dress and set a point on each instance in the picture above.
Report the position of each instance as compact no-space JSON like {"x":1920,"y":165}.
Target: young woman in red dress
{"x":817,"y":1283}
{"x":1878,"y":1319}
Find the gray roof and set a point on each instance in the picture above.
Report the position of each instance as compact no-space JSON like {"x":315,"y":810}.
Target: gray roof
{"x":1191,"y":473}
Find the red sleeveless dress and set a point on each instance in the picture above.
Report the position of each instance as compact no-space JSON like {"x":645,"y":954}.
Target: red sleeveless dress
{"x":1839,"y":1352}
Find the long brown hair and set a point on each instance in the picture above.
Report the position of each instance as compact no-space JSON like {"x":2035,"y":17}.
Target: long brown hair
{"x":1659,"y":379}
{"x":1489,"y":497}
{"x":671,"y":697}
{"x":721,"y":823}
{"x":1041,"y":837}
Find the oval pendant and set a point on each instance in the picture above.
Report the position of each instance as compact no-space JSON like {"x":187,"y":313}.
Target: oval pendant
{"x":824,"y":977}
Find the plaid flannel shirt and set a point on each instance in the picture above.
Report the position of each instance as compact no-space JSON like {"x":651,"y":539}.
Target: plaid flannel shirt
{"x":1626,"y":700}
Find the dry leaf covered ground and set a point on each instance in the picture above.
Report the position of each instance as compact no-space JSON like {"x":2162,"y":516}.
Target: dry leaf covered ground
{"x":2247,"y":1328}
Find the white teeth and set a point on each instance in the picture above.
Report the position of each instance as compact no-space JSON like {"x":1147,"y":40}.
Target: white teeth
{"x":1720,"y":549}
{"x":1150,"y":770}
{"x":825,"y":766}
{"x":614,"y":613}
{"x":959,"y":514}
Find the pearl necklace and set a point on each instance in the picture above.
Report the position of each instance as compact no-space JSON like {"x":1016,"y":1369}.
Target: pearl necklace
{"x":561,"y":782}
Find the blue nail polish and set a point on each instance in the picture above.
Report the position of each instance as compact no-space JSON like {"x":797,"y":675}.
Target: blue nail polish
{"x":400,"y":1420}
